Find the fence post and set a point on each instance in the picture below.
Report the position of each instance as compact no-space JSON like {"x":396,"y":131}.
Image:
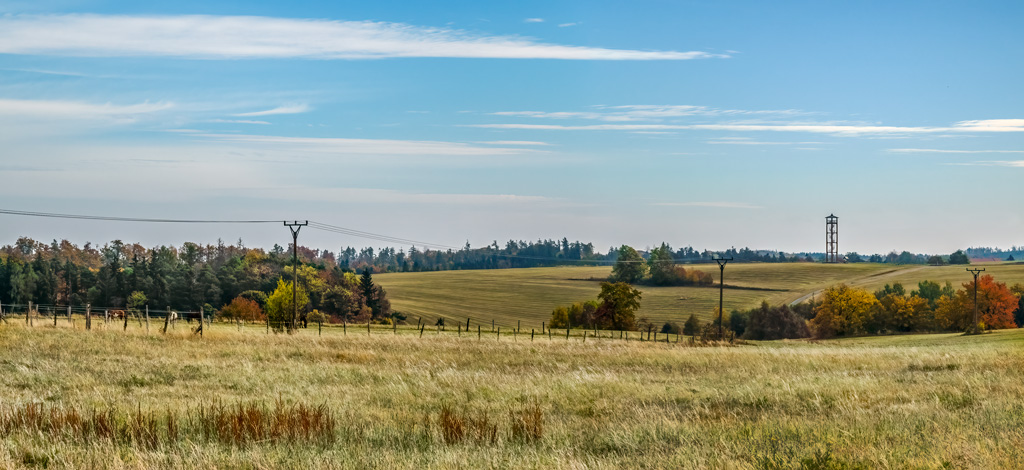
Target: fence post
{"x":567,"y":334}
{"x":518,"y":324}
{"x":478,"y":333}
{"x":27,"y":312}
{"x":54,"y":315}
{"x":344,"y":327}
{"x":367,"y":327}
{"x":499,"y":332}
{"x":147,"y":319}
{"x":422,"y":326}
{"x":492,"y":325}
{"x":106,"y":316}
{"x":319,"y":328}
{"x":585,"y":335}
{"x":531,"y":335}
{"x":467,"y":324}
{"x":88,"y":316}
{"x":125,"y":313}
{"x":460,"y":330}
{"x":655,"y":336}
{"x":70,"y":321}
{"x":202,"y":317}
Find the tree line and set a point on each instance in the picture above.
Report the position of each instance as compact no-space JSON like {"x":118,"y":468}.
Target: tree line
{"x":244,"y":283}
{"x":843,"y":310}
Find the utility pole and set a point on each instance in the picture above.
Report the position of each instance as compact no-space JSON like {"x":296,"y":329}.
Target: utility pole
{"x":721,"y":291}
{"x":294,"y":226}
{"x":975,"y":272}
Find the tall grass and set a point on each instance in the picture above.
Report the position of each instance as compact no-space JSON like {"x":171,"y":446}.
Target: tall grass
{"x":238,"y":425}
{"x":72,"y":399}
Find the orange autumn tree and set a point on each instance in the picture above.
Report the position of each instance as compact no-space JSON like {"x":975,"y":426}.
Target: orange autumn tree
{"x":843,"y":311}
{"x":242,"y":309}
{"x":996,"y":304}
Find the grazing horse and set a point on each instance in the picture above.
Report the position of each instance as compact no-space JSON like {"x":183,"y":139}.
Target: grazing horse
{"x":118,"y":314}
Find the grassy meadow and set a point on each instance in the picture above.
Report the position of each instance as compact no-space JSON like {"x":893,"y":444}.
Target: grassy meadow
{"x":445,"y":401}
{"x":529,"y":295}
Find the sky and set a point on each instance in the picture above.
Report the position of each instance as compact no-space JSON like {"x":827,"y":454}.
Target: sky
{"x":709,"y":124}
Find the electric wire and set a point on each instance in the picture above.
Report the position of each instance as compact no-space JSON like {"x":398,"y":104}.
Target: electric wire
{"x":130,"y":219}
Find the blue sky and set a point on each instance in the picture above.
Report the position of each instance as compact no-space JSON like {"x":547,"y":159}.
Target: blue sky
{"x":711,"y":124}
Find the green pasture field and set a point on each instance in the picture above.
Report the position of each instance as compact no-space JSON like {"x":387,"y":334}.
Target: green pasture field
{"x":508,"y":296}
{"x":529,"y":295}
{"x":916,"y":401}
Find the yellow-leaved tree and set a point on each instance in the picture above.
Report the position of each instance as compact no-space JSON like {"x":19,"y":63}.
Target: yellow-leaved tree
{"x":843,"y":311}
{"x":280,"y":308}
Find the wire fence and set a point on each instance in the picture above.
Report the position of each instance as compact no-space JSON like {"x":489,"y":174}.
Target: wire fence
{"x":161,"y":321}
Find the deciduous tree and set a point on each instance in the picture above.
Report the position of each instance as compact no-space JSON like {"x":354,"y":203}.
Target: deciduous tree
{"x":843,"y":311}
{"x":629,"y":267}
{"x":996,"y":306}
{"x":619,"y":302}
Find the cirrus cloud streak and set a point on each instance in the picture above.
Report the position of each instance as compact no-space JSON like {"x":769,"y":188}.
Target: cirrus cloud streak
{"x":253,"y":37}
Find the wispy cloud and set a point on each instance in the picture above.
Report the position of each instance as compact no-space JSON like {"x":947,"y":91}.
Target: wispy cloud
{"x":748,"y":141}
{"x":566,"y":25}
{"x":343,"y":146}
{"x":286,"y":109}
{"x":987,"y":126}
{"x":629,"y":113}
{"x":513,"y":142}
{"x":717,"y":204}
{"x":391,"y":196}
{"x":77,"y":109}
{"x":250,"y":37}
{"x":1009,"y":163}
{"x":533,"y":20}
{"x":953,"y":151}
{"x":239,"y":121}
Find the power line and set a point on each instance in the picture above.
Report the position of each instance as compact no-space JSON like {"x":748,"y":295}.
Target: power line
{"x":312,"y":224}
{"x":375,"y":236}
{"x":131,"y":219}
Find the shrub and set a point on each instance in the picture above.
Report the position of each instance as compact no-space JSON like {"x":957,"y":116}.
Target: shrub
{"x":242,"y":309}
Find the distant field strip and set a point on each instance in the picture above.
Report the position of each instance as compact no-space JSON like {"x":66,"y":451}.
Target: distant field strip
{"x":528,"y":295}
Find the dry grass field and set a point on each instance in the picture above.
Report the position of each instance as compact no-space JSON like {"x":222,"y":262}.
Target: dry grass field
{"x":529,"y":295}
{"x":444,"y":401}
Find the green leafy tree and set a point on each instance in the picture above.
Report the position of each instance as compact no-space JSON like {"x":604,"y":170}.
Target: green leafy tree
{"x":692,"y":325}
{"x":662,"y":266}
{"x":583,"y":314}
{"x":770,"y":323}
{"x":930,"y":291}
{"x":1018,"y":314}
{"x":629,"y":267}
{"x":137,"y":302}
{"x":619,"y":302}
{"x":738,"y":322}
{"x":316,"y":316}
{"x":959,"y":257}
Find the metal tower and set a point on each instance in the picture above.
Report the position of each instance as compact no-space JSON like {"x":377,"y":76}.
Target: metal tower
{"x":832,"y":239}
